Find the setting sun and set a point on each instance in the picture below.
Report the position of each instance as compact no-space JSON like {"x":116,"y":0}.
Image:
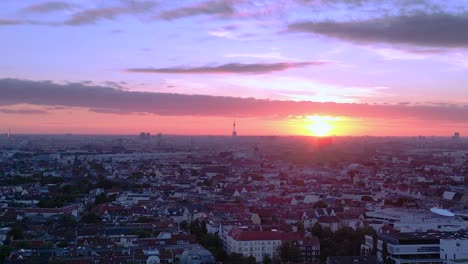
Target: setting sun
{"x":321,"y":125}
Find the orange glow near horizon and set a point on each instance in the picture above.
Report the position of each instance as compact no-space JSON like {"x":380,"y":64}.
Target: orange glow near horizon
{"x":322,"y":125}
{"x":77,"y":120}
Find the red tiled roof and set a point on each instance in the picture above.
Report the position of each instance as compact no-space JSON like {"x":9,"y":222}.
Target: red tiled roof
{"x":239,"y":235}
{"x":311,"y":241}
{"x":66,"y":210}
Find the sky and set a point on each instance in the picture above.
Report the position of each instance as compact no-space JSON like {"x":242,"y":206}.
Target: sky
{"x":284,"y":67}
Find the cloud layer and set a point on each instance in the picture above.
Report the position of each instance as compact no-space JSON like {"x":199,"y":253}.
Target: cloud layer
{"x":91,"y":16}
{"x":440,"y":30}
{"x":215,"y":7}
{"x":48,"y":7}
{"x":22,"y":111}
{"x":420,"y":23}
{"x":256,"y":68}
{"x":111,"y":100}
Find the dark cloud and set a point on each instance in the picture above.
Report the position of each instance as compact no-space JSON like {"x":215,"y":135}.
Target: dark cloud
{"x":111,"y":100}
{"x":15,"y":22}
{"x":426,"y":51}
{"x":10,"y":22}
{"x":91,"y":16}
{"x":113,"y":85}
{"x":256,"y":68}
{"x":48,"y":7}
{"x":382,"y":7}
{"x":22,"y":111}
{"x":357,"y":3}
{"x":437,"y":30}
{"x":216,"y":7}
{"x":83,"y":16}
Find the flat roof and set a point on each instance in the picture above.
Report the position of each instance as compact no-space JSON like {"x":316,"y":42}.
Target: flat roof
{"x":422,"y":237}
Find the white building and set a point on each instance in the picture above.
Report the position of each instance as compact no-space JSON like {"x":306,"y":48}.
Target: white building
{"x":454,"y":250}
{"x":253,"y":243}
{"x":422,"y":247}
{"x":265,"y":243}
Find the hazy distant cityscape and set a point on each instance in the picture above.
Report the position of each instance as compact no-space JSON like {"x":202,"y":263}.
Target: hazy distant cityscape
{"x":233,"y":199}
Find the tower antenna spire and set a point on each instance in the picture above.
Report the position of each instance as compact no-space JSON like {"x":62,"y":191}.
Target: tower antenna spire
{"x":234,"y":132}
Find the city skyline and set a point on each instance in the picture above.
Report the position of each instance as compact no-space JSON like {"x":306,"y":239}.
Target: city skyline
{"x":330,"y":67}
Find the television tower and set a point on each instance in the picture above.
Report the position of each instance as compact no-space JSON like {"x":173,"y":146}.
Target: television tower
{"x":234,"y":132}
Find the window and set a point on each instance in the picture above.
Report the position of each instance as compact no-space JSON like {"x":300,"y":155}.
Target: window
{"x":427,"y":249}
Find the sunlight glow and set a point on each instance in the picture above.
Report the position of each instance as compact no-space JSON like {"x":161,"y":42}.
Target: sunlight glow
{"x":321,"y":125}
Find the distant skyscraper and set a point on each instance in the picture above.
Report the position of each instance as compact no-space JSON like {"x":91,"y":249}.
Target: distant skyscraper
{"x":234,"y":132}
{"x":456,"y":135}
{"x":159,"y":137}
{"x":145,"y":136}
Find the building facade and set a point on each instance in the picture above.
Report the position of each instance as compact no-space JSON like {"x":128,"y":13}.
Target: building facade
{"x":267,"y":243}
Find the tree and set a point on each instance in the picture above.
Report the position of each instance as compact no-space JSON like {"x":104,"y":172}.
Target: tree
{"x":67,"y":221}
{"x":289,"y":252}
{"x":4,"y":252}
{"x":142,"y":233}
{"x":316,"y":230}
{"x":344,"y":242}
{"x":361,"y":184}
{"x":369,"y":231}
{"x":276,"y":259}
{"x":50,"y":203}
{"x":266,"y":259}
{"x":91,"y":218}
{"x":235,"y":258}
{"x":251,"y":260}
{"x":210,"y":241}
{"x":327,"y":248}
{"x":300,"y":226}
{"x":16,"y":233}
{"x":367,"y":198}
{"x":385,"y":258}
{"x":195,"y":228}
{"x":320,"y":204}
{"x":184,"y":225}
{"x":103,"y":198}
{"x":213,"y":244}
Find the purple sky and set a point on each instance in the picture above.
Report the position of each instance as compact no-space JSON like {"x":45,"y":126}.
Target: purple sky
{"x":370,"y":60}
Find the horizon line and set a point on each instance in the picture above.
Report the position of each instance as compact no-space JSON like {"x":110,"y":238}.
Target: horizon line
{"x":226,"y":135}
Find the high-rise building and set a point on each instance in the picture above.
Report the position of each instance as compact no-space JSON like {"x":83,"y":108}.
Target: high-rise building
{"x":456,"y":135}
{"x":145,"y":136}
